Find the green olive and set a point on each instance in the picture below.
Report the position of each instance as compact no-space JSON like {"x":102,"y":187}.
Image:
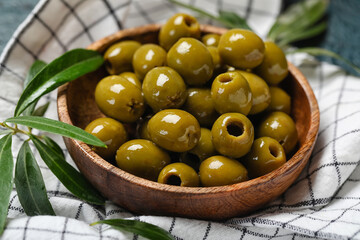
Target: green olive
{"x":142,"y":158}
{"x":211,"y":39}
{"x":120,"y":99}
{"x":146,"y":58}
{"x":280,"y":101}
{"x":214,"y":51}
{"x":281,"y":127}
{"x":260,"y":92}
{"x":131,"y":77}
{"x":200,"y":104}
{"x":205,"y":147}
{"x":274,"y":67}
{"x":164,"y":88}
{"x":220,"y":171}
{"x":111,"y":132}
{"x":118,"y":57}
{"x":241,"y":48}
{"x":178,"y":26}
{"x":233,"y":135}
{"x":179,"y":174}
{"x":231,"y":93}
{"x":266,"y":155}
{"x":192,"y":60}
{"x":174,"y":130}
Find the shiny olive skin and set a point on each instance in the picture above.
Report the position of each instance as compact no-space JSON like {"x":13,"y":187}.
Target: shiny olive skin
{"x":111,"y":132}
{"x":260,"y":92}
{"x":146,"y":58}
{"x":220,"y":171}
{"x":131,"y":77}
{"x":280,"y":101}
{"x":266,"y":155}
{"x":200,"y":104}
{"x":274,"y":67}
{"x":215,"y":57}
{"x":164,"y":88}
{"x":120,"y":99}
{"x":174,"y":130}
{"x":118,"y":57}
{"x":205,"y":147}
{"x":232,"y":135}
{"x":211,"y":39}
{"x":192,"y":60}
{"x":179,"y":174}
{"x":281,"y":127}
{"x":178,"y":26}
{"x":142,"y":158}
{"x":241,"y":48}
{"x":231,"y":93}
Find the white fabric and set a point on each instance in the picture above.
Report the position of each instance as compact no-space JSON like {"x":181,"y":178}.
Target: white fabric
{"x":322,"y":203}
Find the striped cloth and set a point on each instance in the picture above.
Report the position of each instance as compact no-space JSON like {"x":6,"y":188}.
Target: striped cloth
{"x":324,"y":202}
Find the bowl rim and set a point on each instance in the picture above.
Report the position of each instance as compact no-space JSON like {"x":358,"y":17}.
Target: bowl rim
{"x":288,"y":167}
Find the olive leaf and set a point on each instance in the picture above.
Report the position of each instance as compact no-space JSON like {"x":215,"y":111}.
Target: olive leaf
{"x":53,"y":145}
{"x":57,"y":127}
{"x":144,"y":229}
{"x":296,"y":18}
{"x":35,"y":68}
{"x":40,"y":111}
{"x":67,"y":67}
{"x":302,"y":34}
{"x":6,"y":174}
{"x":30,"y":185}
{"x":235,"y":20}
{"x":74,"y":181}
{"x":324,"y":52}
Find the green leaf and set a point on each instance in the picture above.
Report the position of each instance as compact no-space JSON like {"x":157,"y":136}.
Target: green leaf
{"x":74,"y":181}
{"x":40,"y":111}
{"x":298,"y":16}
{"x":5,"y":131}
{"x":303,"y":34}
{"x":6,"y":175}
{"x":30,"y":185}
{"x":144,"y":229}
{"x":35,"y":68}
{"x":324,"y":52}
{"x":235,"y":20}
{"x":67,"y":67}
{"x":57,"y":127}
{"x":53,"y":145}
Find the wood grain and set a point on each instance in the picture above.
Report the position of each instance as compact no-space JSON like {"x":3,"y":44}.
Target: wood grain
{"x":76,"y":106}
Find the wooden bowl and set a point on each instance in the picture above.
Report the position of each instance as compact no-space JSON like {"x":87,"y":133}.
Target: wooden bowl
{"x":76,"y":106}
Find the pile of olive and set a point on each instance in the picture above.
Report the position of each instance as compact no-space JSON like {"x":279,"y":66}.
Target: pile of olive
{"x":192,"y":101}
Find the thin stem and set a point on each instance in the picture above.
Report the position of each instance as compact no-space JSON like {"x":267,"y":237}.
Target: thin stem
{"x":15,"y":129}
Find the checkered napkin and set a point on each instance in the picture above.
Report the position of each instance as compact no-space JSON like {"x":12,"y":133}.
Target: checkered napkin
{"x":324,"y":202}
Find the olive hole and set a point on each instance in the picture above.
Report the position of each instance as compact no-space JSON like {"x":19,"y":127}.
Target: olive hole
{"x":174,"y":180}
{"x":225,"y":78}
{"x":274,"y":151}
{"x":189,"y":22}
{"x":235,"y":129}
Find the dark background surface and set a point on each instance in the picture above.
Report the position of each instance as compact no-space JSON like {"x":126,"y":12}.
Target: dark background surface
{"x":342,"y":35}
